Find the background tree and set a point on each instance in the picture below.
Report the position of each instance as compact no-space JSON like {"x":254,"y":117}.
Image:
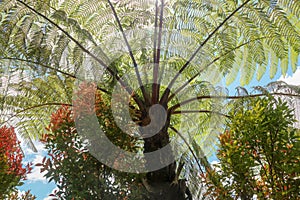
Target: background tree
{"x":181,"y":43}
{"x":259,"y":153}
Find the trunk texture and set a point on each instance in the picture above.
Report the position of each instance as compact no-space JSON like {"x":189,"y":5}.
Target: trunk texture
{"x":163,"y":184}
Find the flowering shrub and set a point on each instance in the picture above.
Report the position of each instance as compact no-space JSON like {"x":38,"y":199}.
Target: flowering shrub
{"x":11,"y":169}
{"x":77,"y":174}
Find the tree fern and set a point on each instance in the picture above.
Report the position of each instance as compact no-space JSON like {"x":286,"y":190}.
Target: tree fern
{"x":191,"y":42}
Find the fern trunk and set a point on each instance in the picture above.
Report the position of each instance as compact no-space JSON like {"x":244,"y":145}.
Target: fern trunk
{"x":162,"y":184}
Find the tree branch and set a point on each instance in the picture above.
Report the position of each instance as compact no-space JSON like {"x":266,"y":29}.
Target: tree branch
{"x":155,"y":86}
{"x":128,"y":88}
{"x":215,"y":60}
{"x":155,"y":33}
{"x":190,"y":149}
{"x":173,"y":108}
{"x":145,"y":95}
{"x":199,"y":111}
{"x":69,"y":36}
{"x":49,"y":67}
{"x":166,"y":93}
{"x":212,"y":62}
{"x":34,"y":107}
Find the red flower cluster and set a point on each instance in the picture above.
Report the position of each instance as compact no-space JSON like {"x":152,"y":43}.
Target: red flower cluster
{"x":11,"y":154}
{"x":61,"y":116}
{"x":88,"y":100}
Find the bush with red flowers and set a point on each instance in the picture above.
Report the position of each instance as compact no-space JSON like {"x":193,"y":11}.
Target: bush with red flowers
{"x":77,"y":174}
{"x":12,"y":172}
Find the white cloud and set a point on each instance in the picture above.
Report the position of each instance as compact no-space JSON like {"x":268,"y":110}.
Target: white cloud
{"x":50,"y":198}
{"x":20,"y":193}
{"x":34,"y":158}
{"x":215,"y":165}
{"x":27,"y":151}
{"x":294,"y":79}
{"x":35,"y":174}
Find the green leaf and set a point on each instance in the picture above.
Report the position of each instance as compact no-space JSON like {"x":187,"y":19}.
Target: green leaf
{"x":294,"y":59}
{"x":273,"y":64}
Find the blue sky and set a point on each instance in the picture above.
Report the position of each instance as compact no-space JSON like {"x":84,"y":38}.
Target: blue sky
{"x":290,"y":78}
{"x":36,"y":182}
{"x":40,"y":187}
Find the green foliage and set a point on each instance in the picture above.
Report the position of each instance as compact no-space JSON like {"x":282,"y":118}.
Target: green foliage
{"x":259,"y":153}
